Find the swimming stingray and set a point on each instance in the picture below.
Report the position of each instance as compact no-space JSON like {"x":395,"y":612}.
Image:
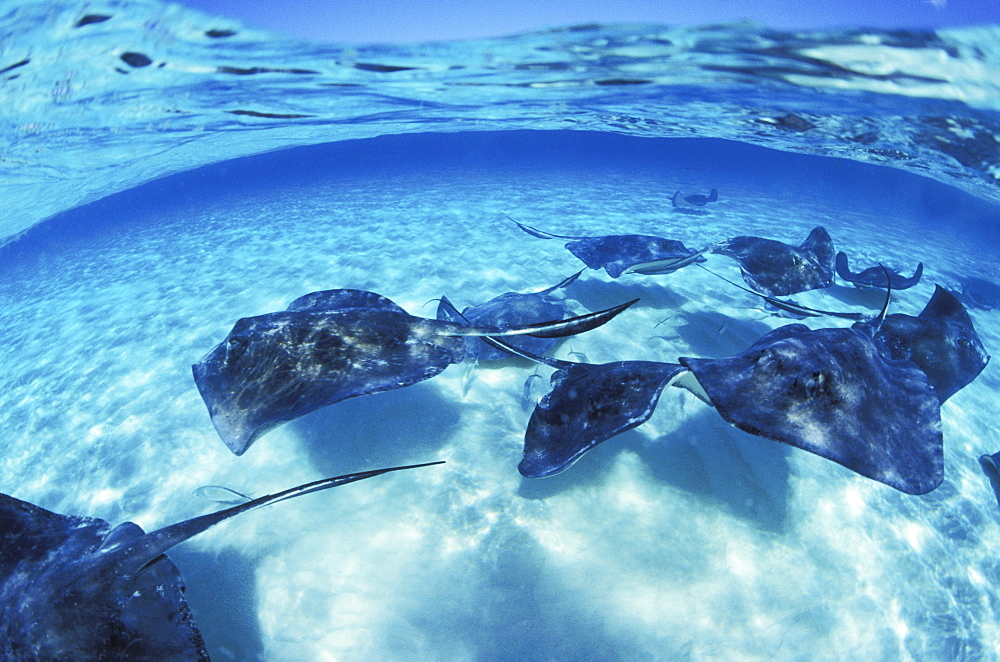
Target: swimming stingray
{"x":941,"y":341}
{"x":509,"y":310}
{"x":776,"y":268}
{"x":980,"y":293}
{"x":73,"y":588}
{"x":875,"y":276}
{"x":333,"y":345}
{"x":587,"y":404}
{"x":697,"y":200}
{"x":626,"y":253}
{"x":833,"y":393}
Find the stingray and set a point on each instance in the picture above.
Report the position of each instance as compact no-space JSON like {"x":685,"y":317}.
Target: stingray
{"x":833,"y":393}
{"x":875,"y":277}
{"x":586,"y":405}
{"x":980,"y":293}
{"x":73,"y":588}
{"x":333,"y":345}
{"x":941,"y":341}
{"x":696,"y":200}
{"x":778,"y":269}
{"x":508,"y":310}
{"x":626,"y":253}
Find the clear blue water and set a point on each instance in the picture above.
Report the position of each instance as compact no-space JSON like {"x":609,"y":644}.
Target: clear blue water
{"x":682,"y":539}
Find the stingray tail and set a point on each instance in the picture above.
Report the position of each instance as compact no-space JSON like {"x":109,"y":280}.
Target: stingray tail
{"x":565,"y":282}
{"x":541,"y":234}
{"x":150,"y":546}
{"x":872,"y":327}
{"x":791,"y":306}
{"x":537,"y":358}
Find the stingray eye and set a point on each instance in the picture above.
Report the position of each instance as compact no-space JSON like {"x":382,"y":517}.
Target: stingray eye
{"x":813,"y":383}
{"x":235,"y":347}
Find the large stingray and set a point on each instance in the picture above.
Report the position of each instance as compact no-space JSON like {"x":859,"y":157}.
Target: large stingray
{"x":833,"y":393}
{"x":626,"y":253}
{"x":333,"y":345}
{"x":73,"y":588}
{"x":697,"y":200}
{"x":508,"y":310}
{"x":776,"y":268}
{"x":875,"y":277}
{"x":941,"y":341}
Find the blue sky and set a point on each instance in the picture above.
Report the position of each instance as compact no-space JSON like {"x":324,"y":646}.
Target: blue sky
{"x":394,"y":21}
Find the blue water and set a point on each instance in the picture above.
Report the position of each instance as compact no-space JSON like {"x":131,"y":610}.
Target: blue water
{"x":145,"y":211}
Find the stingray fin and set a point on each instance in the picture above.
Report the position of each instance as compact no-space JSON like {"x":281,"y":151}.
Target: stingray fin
{"x":449,"y":313}
{"x":843,"y":269}
{"x":944,"y":304}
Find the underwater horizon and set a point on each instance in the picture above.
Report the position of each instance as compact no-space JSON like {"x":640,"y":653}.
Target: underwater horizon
{"x":166,"y":173}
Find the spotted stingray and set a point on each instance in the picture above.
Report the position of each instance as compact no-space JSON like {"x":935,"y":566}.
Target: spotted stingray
{"x":620,"y":254}
{"x":875,"y":277}
{"x":776,"y":268}
{"x":508,"y":310}
{"x":332,"y":345}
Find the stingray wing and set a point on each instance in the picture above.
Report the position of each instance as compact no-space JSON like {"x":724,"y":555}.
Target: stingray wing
{"x":941,"y":341}
{"x":327,"y":300}
{"x":830,"y":392}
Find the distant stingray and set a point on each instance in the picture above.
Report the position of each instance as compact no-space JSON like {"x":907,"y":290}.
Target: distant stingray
{"x":875,"y":276}
{"x":626,"y":253}
{"x":333,"y":345}
{"x":941,"y":341}
{"x":73,"y":588}
{"x":697,"y":200}
{"x":509,"y":310}
{"x":979,"y":293}
{"x":832,"y":393}
{"x":776,"y":268}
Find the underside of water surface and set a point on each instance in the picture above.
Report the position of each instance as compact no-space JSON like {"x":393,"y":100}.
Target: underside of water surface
{"x":150,"y":202}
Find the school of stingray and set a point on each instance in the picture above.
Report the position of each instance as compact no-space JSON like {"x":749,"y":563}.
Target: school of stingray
{"x":867,"y":397}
